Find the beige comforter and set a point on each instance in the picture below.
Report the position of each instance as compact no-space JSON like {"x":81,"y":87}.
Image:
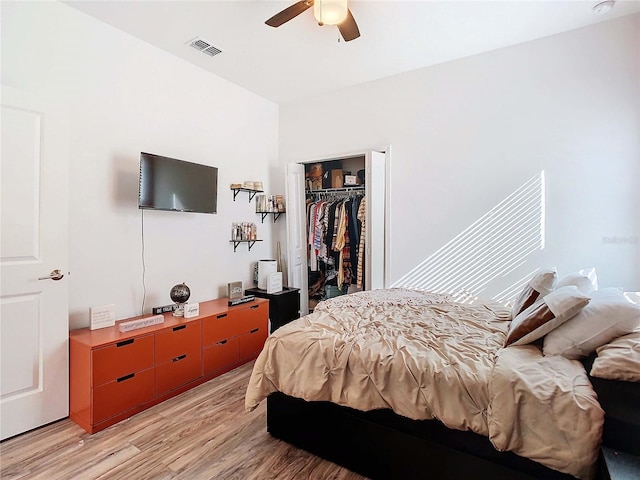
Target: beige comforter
{"x":426,"y":357}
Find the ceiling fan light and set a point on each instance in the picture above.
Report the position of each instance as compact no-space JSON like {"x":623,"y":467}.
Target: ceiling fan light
{"x":330,"y":12}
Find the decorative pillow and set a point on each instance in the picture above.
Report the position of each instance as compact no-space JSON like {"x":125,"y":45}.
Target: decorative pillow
{"x":609,"y":315}
{"x":542,"y":317}
{"x":540,"y":285}
{"x":586,"y":280}
{"x":619,"y":359}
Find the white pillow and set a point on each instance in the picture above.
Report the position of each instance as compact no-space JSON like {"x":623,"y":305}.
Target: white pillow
{"x":609,"y":315}
{"x":542,"y":317}
{"x":586,"y":280}
{"x":542,"y":283}
{"x":619,"y":359}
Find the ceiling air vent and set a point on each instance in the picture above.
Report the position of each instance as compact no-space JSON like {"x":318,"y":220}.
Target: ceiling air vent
{"x":204,"y":46}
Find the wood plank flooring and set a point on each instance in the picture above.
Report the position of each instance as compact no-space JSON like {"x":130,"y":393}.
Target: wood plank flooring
{"x":202,"y":434}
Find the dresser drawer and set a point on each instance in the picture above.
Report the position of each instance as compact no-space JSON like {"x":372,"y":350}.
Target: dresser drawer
{"x":221,"y":327}
{"x":251,"y":343}
{"x":179,"y":370}
{"x":176,"y":341}
{"x":255,"y":316}
{"x":121,"y":358}
{"x":122,"y":394}
{"x":220,"y":355}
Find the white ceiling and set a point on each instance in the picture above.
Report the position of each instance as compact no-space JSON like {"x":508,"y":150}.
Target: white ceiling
{"x":301,"y":59}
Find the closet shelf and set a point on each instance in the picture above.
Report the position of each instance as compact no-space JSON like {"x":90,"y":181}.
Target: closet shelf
{"x":250,"y":191}
{"x":249,"y":243}
{"x":355,"y":188}
{"x":276,"y":215}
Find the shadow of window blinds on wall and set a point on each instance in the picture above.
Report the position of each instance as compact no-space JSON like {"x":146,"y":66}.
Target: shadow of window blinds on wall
{"x":493,"y":246}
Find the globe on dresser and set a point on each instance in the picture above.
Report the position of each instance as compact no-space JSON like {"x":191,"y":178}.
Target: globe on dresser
{"x":179,"y":294}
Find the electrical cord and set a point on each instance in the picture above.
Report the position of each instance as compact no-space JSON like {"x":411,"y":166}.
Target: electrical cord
{"x":144,"y":268}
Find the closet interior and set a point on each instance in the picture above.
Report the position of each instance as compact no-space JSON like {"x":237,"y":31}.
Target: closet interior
{"x":336,"y":223}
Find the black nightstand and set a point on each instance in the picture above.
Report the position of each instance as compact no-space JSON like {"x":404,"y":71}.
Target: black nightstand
{"x":284,"y":306}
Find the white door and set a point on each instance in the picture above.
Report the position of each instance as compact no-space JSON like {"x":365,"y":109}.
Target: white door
{"x":297,"y":233}
{"x":375,"y":234}
{"x":34,"y":381}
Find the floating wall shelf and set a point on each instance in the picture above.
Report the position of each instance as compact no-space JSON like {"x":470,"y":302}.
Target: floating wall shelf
{"x":250,"y":191}
{"x":276,"y":215}
{"x":249,"y":243}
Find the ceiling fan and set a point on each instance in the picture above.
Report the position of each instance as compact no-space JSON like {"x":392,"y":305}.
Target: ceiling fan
{"x":327,"y":12}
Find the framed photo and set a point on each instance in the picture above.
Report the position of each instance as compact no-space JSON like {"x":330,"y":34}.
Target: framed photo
{"x":234,"y":289}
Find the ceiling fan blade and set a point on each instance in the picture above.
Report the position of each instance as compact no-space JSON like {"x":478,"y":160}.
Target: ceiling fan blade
{"x":349,"y":28}
{"x":289,"y":13}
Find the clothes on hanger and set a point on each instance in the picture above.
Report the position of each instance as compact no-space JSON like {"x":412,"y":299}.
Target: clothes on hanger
{"x":335,"y":238}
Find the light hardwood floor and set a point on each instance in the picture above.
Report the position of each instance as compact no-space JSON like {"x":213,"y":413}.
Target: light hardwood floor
{"x":202,"y":434}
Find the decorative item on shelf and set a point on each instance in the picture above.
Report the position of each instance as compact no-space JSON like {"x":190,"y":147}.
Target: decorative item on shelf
{"x":315,"y":175}
{"x":244,"y":231}
{"x":103,"y":316}
{"x":191,"y":310}
{"x":234,"y":289}
{"x":266,"y":204}
{"x":140,"y":323}
{"x":180,"y":293}
{"x":249,"y":186}
{"x":350,"y":180}
{"x":281,"y":265}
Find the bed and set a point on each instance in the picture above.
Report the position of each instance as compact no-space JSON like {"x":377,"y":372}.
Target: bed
{"x":405,"y":384}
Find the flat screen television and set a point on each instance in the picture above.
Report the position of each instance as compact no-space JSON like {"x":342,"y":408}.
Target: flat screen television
{"x":176,"y":185}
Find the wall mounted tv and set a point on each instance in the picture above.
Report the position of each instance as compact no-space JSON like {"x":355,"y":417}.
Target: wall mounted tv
{"x":172,"y":184}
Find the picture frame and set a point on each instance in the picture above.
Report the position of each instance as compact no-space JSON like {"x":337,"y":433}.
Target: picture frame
{"x":234,"y":289}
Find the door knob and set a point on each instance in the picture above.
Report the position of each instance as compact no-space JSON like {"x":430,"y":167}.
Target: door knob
{"x":54,"y":275}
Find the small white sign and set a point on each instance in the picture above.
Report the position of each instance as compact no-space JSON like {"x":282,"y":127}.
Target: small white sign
{"x":141,"y":323}
{"x":191,"y":310}
{"x":103,"y":316}
{"x":274,"y":282}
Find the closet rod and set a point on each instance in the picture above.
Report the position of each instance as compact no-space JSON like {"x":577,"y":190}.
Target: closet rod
{"x":336,"y":193}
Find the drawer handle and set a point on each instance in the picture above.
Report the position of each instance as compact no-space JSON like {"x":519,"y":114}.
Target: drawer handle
{"x":177,"y":359}
{"x":125,"y":342}
{"x":222,"y":315}
{"x":179,"y":327}
{"x":254,"y":330}
{"x":254,"y":307}
{"x":222,"y":342}
{"x":126,"y":377}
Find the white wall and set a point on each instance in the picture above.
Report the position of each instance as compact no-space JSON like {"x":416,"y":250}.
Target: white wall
{"x":466,"y":134}
{"x":126,"y":96}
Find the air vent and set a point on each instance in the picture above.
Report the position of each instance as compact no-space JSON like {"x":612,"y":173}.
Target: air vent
{"x":204,"y":46}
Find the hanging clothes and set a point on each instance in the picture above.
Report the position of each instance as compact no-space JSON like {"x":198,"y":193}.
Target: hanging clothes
{"x":334,"y":239}
{"x":362,"y":211}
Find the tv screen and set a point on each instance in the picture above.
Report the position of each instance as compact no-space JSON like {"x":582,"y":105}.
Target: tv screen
{"x":172,"y":184}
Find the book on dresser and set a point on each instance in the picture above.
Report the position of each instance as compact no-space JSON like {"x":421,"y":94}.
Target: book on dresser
{"x":115,"y":374}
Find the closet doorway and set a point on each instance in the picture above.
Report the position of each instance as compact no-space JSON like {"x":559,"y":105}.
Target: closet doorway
{"x":366,"y":183}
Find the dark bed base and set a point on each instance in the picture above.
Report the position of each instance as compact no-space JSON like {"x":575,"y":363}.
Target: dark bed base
{"x":621,"y":404}
{"x":382,"y":444}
